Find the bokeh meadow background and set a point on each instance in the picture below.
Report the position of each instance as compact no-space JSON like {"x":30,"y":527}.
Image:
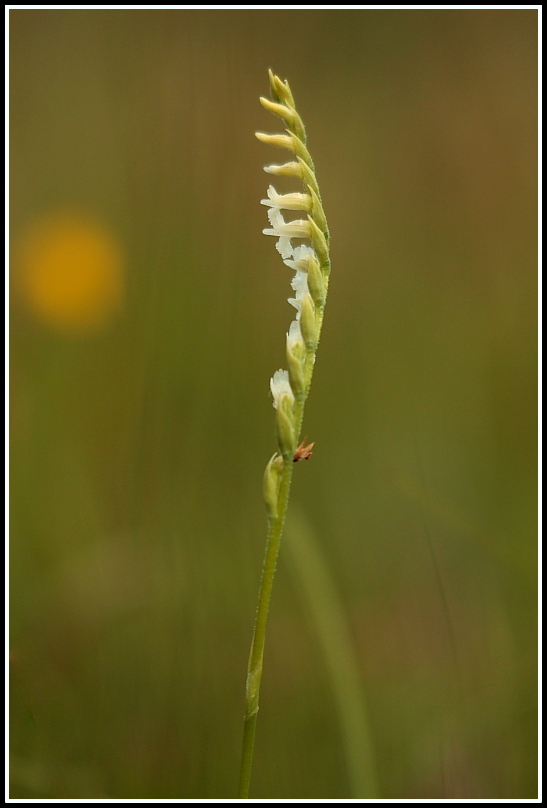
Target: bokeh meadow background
{"x":148,"y":313}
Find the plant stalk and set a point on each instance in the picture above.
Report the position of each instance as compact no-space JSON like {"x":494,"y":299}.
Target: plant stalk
{"x":275,"y":531}
{"x":289,"y":388}
{"x":254,"y":672}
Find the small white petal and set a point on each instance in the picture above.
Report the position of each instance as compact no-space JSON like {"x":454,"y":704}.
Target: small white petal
{"x":294,"y":337}
{"x":302,"y":257}
{"x":300,"y":283}
{"x":275,"y":217}
{"x":284,"y":232}
{"x":284,"y":247}
{"x":280,"y":386}
{"x":303,"y":253}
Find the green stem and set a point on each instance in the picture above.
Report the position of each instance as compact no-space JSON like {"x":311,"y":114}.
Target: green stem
{"x":254,"y":672}
{"x":329,"y":619}
{"x":275,"y":530}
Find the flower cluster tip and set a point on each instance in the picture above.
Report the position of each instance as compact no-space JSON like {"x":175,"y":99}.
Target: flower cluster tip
{"x":310,"y":262}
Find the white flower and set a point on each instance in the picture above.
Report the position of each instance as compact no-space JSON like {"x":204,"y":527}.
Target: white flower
{"x":284,"y":247}
{"x":285,"y":231}
{"x":303,"y":303}
{"x":295,"y":340}
{"x":302,"y":256}
{"x":294,"y":201}
{"x":300,"y":285}
{"x":281,"y":387}
{"x":299,"y":228}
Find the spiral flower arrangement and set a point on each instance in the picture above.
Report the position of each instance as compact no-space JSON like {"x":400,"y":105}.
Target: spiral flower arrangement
{"x":311,"y":265}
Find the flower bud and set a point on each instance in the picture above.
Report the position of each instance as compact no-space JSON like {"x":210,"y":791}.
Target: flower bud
{"x":285,"y":426}
{"x":288,"y":114}
{"x":307,"y":322}
{"x":287,"y":170}
{"x":317,"y":212}
{"x":308,"y":176}
{"x":301,"y":151}
{"x":296,"y":354}
{"x":272,"y":480}
{"x":316,"y":282}
{"x":282,"y":141}
{"x":319,"y":243}
{"x":280,"y":90}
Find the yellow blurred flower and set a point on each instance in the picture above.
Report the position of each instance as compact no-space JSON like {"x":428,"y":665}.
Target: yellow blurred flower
{"x":71,"y":272}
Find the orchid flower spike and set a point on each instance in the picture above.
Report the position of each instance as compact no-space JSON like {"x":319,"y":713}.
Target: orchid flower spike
{"x":310,"y":261}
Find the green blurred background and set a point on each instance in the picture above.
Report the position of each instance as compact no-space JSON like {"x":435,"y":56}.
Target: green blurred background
{"x":148,"y":314}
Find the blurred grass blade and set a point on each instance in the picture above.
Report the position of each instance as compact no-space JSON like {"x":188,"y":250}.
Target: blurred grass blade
{"x":313,"y":579}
